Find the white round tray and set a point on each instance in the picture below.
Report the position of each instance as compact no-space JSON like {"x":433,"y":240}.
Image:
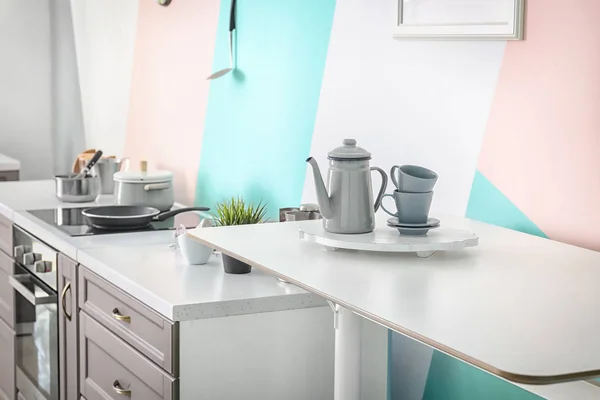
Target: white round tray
{"x":389,"y":240}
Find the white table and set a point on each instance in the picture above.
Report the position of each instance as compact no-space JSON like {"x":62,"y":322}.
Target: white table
{"x":518,"y":306}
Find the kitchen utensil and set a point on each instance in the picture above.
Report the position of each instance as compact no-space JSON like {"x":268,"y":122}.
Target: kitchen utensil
{"x":304,"y":213}
{"x":105,"y":169}
{"x":430,"y":223}
{"x":347,"y":202}
{"x":82,"y":160}
{"x":408,"y":231}
{"x":151,"y":189}
{"x":88,"y":167}
{"x":285,"y":210}
{"x":130,"y":217}
{"x":222,"y":72}
{"x":413,"y":178}
{"x":194,"y":252}
{"x":413,"y":208}
{"x":71,"y":189}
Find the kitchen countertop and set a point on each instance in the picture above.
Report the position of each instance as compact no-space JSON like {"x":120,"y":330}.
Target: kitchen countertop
{"x":517,"y":306}
{"x":143,"y":264}
{"x":159,"y":275}
{"x":9,"y":164}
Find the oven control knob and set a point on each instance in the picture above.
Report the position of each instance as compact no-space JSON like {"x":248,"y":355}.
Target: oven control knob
{"x":42,"y":266}
{"x":30,"y":258}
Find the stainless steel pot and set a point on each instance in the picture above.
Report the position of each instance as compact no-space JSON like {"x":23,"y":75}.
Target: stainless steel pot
{"x":76,"y":190}
{"x":150,"y":189}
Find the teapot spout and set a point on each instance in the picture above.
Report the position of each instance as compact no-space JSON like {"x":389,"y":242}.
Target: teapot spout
{"x":322,"y":197}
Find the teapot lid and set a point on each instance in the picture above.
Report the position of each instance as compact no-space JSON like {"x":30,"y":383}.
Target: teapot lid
{"x":349,"y":151}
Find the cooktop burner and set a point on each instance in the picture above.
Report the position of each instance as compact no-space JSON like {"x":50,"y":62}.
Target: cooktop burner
{"x":73,"y":223}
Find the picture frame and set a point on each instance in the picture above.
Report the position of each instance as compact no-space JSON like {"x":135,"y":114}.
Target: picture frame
{"x":459,"y":20}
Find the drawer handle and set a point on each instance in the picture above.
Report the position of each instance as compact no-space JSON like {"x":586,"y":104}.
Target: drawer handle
{"x":117,"y":388}
{"x":120,"y":317}
{"x":63,"y":300}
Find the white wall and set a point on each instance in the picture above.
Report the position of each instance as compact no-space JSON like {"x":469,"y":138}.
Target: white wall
{"x":68,"y":137}
{"x":407,"y":102}
{"x":104,"y":37}
{"x":25,"y":114}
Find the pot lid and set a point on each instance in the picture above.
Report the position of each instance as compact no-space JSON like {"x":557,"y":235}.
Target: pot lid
{"x":349,"y":151}
{"x":139,"y":176}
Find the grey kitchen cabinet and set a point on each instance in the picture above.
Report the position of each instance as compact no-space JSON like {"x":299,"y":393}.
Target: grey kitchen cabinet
{"x":68,"y":329}
{"x":7,"y":294}
{"x":132,"y":321}
{"x":6,"y":235}
{"x":111,"y":369}
{"x":7,"y":362}
{"x":9,"y":176}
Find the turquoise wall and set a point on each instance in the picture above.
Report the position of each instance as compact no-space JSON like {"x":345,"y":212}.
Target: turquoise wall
{"x":260,"y":119}
{"x":451,"y":379}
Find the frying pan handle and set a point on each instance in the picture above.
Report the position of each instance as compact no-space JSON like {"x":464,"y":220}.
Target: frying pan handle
{"x":167,"y":214}
{"x":232,"y":16}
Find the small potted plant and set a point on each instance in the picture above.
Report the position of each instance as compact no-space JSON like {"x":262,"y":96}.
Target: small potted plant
{"x":235,"y":211}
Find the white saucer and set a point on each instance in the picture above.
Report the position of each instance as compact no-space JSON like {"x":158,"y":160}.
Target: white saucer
{"x":413,"y":231}
{"x":431,"y":222}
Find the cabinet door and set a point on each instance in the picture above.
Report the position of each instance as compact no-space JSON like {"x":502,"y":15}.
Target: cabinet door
{"x":68,"y":329}
{"x":6,"y":235}
{"x":7,"y":362}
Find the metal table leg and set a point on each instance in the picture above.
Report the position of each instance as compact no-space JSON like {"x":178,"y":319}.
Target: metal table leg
{"x":347,"y":353}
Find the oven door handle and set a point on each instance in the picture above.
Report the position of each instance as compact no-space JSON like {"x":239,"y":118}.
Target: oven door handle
{"x":17,"y":283}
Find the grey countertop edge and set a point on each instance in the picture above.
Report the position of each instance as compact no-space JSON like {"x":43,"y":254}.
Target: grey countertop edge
{"x":244,"y":306}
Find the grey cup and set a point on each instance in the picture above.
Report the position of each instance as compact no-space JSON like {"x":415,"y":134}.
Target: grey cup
{"x":414,"y":179}
{"x":413,"y":208}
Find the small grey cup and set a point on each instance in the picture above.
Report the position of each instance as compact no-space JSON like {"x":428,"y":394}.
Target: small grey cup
{"x":413,"y":178}
{"x":412,"y":208}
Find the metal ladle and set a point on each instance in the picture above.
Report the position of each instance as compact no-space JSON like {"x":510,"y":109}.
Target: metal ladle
{"x":225,"y":71}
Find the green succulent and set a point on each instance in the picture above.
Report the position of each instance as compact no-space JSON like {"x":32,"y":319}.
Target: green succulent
{"x":235,"y":211}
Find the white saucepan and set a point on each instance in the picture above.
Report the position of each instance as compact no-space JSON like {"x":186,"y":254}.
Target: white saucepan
{"x":150,"y":189}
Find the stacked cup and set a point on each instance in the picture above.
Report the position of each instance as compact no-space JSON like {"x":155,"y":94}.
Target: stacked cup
{"x":413,"y":196}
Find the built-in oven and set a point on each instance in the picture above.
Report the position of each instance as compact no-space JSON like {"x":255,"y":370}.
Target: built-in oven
{"x":36,"y":307}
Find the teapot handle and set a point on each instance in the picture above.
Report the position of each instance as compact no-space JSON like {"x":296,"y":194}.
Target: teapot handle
{"x":384,"y":182}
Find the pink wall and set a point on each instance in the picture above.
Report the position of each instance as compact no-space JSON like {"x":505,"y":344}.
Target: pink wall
{"x":542,"y":143}
{"x":169,"y":92}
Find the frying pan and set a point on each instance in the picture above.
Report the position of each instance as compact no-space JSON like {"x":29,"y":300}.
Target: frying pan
{"x":130,"y":217}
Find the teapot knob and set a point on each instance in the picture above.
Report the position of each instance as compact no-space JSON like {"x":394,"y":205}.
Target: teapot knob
{"x":349,"y":142}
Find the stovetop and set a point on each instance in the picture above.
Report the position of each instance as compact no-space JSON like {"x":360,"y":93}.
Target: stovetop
{"x":73,"y":223}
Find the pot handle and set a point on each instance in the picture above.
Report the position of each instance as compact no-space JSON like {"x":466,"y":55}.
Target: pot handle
{"x":156,"y":186}
{"x":384,"y":182}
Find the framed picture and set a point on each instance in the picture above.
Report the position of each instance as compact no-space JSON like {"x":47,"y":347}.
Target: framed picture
{"x":459,"y":19}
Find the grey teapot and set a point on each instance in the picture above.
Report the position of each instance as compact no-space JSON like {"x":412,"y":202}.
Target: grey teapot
{"x":347,"y":202}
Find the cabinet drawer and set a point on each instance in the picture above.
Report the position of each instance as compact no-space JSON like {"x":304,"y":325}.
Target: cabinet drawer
{"x":7,"y":364}
{"x":6,"y":240}
{"x":109,"y":365}
{"x":132,"y":321}
{"x":7,"y":294}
